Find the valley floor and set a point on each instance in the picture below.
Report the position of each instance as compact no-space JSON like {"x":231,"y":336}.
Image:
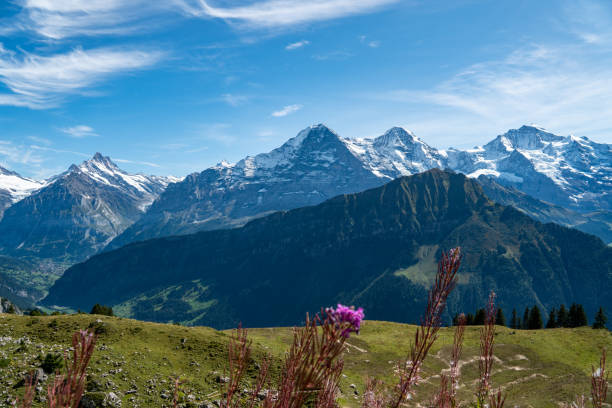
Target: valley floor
{"x":137,"y":361}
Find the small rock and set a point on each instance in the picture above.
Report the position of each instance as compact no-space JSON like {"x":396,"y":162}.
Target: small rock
{"x":37,"y":376}
{"x":222,"y":380}
{"x":112,"y":400}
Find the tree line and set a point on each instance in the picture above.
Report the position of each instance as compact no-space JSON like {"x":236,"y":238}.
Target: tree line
{"x":532,"y":318}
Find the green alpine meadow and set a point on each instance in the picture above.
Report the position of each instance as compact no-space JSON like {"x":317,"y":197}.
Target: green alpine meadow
{"x":139,"y":361}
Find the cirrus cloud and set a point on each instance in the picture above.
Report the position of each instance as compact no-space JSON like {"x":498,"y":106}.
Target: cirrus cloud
{"x":79,"y":131}
{"x":296,"y":45}
{"x":287,"y":110}
{"x":60,"y":19}
{"x":40,"y":82}
{"x":283,"y":13}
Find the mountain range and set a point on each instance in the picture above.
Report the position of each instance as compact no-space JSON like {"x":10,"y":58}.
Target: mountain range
{"x":75,"y":214}
{"x":377,"y":249}
{"x":570,"y":173}
{"x":52,"y":224}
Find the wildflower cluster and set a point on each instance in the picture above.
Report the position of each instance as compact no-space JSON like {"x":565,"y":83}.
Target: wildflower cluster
{"x":347,"y":318}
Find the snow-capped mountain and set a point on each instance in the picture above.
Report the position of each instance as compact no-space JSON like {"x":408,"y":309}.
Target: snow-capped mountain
{"x":570,"y":171}
{"x":14,"y":187}
{"x":396,"y":153}
{"x":78,"y":212}
{"x":142,"y":189}
{"x":317,"y":164}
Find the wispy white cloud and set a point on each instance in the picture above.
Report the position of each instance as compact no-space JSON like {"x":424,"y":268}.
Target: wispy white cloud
{"x":235,"y":100}
{"x":11,"y":153}
{"x":59,"y":19}
{"x":287,"y":110}
{"x":370,"y":43}
{"x":79,"y":131}
{"x":566,"y":88}
{"x":199,"y":149}
{"x":40,"y":82}
{"x":296,"y":45}
{"x":61,"y":151}
{"x":560,"y":88}
{"x":283,"y":13}
{"x":40,"y":140}
{"x":589,"y":20}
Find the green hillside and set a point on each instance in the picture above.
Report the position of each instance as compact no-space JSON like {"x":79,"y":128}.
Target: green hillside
{"x":137,"y":360}
{"x":374,"y":249}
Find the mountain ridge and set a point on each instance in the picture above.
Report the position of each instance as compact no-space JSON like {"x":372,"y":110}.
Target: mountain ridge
{"x":378,"y":244}
{"x":318,"y":164}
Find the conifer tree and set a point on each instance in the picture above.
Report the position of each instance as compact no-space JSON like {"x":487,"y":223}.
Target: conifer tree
{"x":469,"y":319}
{"x":562,"y":318}
{"x":102,"y":310}
{"x":581,"y":317}
{"x":535,"y":318}
{"x":514,"y":322}
{"x":552,"y":323}
{"x":526,"y":319}
{"x":479,"y":318}
{"x":500,"y":319}
{"x":600,"y":319}
{"x":572,"y":317}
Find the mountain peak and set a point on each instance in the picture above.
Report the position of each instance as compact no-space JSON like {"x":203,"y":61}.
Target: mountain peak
{"x":531,"y":136}
{"x":396,"y":136}
{"x":99,"y":158}
{"x":97,"y":164}
{"x":312,"y":137}
{"x":531,"y":128}
{"x":317,"y":133}
{"x":526,"y":137}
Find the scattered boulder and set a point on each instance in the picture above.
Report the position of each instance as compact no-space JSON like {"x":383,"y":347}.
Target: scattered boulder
{"x":112,"y":400}
{"x":100,"y":400}
{"x":37,"y":376}
{"x":93,"y":400}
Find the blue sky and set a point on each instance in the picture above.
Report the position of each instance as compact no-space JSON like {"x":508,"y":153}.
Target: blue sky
{"x":172,"y":87}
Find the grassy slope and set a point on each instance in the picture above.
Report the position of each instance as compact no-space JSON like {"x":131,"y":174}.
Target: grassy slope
{"x":538,"y":368}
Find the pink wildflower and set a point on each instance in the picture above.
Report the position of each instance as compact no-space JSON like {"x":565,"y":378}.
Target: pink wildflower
{"x":344,"y":315}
